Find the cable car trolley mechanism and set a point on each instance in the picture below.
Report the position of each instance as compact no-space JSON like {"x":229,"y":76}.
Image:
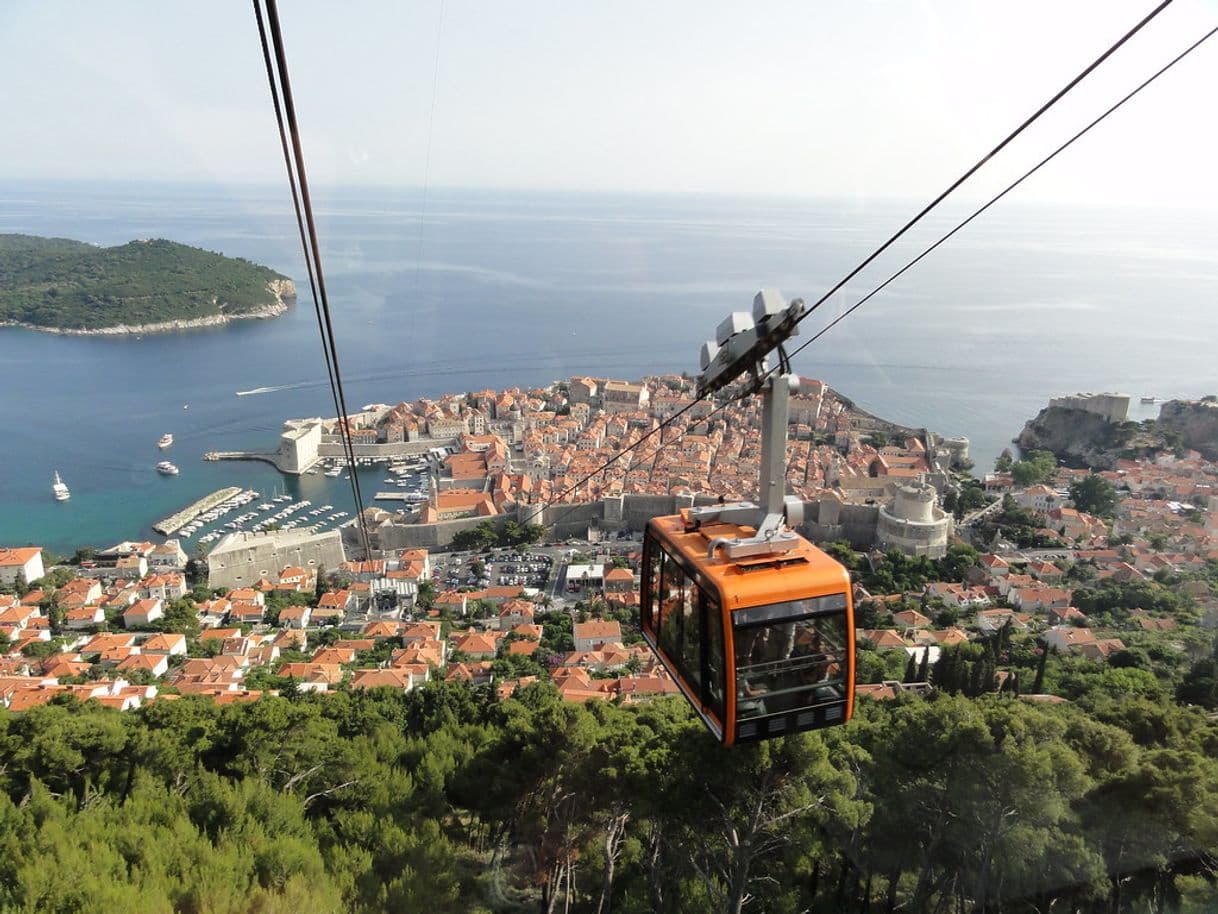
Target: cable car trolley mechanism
{"x":753,"y":622}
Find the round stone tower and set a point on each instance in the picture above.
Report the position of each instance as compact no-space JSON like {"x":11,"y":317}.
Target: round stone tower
{"x":914,"y":523}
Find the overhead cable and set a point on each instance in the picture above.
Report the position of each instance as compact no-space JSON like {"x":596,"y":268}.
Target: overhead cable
{"x":1010,"y":187}
{"x":989,"y":155}
{"x":297,"y":178}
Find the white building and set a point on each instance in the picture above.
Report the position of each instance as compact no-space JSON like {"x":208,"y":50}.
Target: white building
{"x":25,"y":561}
{"x":583,"y":576}
{"x":167,"y":556}
{"x":1040,"y":498}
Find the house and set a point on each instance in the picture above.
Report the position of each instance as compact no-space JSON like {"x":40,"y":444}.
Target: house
{"x":1033,"y":599}
{"x":168,"y":643}
{"x":336,"y":653}
{"x":515,"y":612}
{"x":408,"y":557}
{"x":154,"y":664}
{"x":212,"y":613}
{"x":1039,"y":498}
{"x":132,"y":567}
{"x":882,"y":639}
{"x":619,"y":580}
{"x":1045,"y":571}
{"x":382,"y":629}
{"x":168,"y":556}
{"x":295,"y":578}
{"x":295,"y":616}
{"x":246,"y":595}
{"x":394,"y":678}
{"x":476,"y":644}
{"x":332,"y":607}
{"x":990,"y":621}
{"x":1101,"y":649}
{"x":313,"y":677}
{"x":476,"y":672}
{"x":1067,"y":638}
{"x":83,"y":617}
{"x":219,"y":634}
{"x":168,"y":586}
{"x":1068,"y":616}
{"x":591,"y":635}
{"x":78,"y":592}
{"x":18,"y":619}
{"x":911,"y":618}
{"x":23,"y":562}
{"x":143,"y":612}
{"x":995,"y":565}
{"x":453,"y":601}
{"x":526,"y":647}
{"x":1074,"y":524}
{"x":246,"y":613}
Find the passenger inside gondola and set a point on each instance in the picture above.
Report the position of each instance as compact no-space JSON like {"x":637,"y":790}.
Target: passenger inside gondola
{"x":787,"y":665}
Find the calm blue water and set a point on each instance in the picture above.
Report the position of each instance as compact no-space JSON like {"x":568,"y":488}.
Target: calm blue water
{"x":502,"y":289}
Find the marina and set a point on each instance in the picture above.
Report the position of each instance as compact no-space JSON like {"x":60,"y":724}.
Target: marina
{"x":176,"y":522}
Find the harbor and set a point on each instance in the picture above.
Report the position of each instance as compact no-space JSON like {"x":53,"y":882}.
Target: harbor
{"x":176,"y":522}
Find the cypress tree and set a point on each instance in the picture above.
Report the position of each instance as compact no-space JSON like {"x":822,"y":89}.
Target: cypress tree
{"x":924,"y":666}
{"x":911,"y":669}
{"x":1039,"y":682}
{"x":976,"y":671}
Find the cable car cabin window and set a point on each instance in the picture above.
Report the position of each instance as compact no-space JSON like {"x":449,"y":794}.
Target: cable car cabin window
{"x":713,"y":638}
{"x":679,"y":625}
{"x":687,"y":623}
{"x":790,"y":655}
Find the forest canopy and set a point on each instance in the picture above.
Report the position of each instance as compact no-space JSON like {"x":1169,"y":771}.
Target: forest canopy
{"x":451,"y":799}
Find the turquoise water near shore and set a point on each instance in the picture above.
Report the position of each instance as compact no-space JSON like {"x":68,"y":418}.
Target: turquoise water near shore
{"x":495,"y":289}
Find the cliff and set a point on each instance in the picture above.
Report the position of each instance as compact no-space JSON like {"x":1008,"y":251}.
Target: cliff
{"x":1194,"y":423}
{"x":1082,"y":439}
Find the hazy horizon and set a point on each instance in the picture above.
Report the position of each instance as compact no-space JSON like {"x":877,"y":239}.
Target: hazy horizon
{"x":876,"y":101}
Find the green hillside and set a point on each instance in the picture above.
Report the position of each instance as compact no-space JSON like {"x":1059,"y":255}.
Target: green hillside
{"x":69,"y":285}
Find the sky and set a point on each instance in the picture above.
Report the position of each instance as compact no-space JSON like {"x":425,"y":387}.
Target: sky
{"x":803,"y":98}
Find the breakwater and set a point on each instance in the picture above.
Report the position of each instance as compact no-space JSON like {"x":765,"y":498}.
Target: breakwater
{"x":175,"y":522}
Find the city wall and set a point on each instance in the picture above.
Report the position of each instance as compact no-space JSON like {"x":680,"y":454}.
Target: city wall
{"x":827,"y":519}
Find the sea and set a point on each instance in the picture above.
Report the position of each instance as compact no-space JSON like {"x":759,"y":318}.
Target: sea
{"x":456,"y":290}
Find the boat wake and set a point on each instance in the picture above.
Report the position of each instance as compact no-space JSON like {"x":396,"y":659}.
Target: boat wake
{"x":271,"y":390}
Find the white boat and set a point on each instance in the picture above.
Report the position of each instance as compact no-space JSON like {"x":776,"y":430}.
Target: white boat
{"x":59,"y":489}
{"x":334,"y":471}
{"x":165,"y":441}
{"x":166,"y":468}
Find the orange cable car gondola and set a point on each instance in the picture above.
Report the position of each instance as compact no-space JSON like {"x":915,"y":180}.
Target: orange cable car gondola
{"x":754,"y":623}
{"x":761,"y":646}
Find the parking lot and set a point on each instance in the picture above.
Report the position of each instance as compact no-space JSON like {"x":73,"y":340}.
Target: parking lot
{"x":497,"y":568}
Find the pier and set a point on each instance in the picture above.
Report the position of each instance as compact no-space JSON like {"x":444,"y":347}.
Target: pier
{"x":271,"y":458}
{"x":175,"y":522}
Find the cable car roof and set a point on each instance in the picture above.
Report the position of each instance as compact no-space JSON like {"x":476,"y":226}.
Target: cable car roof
{"x":757,"y":580}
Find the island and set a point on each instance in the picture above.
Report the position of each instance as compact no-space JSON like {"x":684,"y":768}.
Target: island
{"x":146,"y":286}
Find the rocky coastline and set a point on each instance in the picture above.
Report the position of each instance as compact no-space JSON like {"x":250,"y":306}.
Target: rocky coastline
{"x":284,"y":291}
